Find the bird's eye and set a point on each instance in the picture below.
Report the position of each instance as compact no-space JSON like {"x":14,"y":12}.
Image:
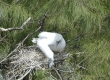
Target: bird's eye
{"x":58,"y":42}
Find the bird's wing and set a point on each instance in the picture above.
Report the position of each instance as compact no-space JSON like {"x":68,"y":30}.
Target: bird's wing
{"x":43,"y":45}
{"x":44,"y":35}
{"x":49,"y":36}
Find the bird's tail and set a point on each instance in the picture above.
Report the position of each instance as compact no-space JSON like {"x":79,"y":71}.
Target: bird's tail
{"x":34,"y":40}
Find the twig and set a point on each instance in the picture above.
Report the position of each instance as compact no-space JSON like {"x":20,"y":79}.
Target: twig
{"x":18,"y":44}
{"x":57,"y":73}
{"x":25,"y":22}
{"x":25,"y":74}
{"x":16,"y":28}
{"x":69,"y":71}
{"x":53,"y":78}
{"x":9,"y":29}
{"x":10,"y":53}
{"x":41,"y":22}
{"x":81,"y":67}
{"x":2,"y":39}
{"x":30,"y":35}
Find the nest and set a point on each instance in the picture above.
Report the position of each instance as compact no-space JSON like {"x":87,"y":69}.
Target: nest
{"x":25,"y":59}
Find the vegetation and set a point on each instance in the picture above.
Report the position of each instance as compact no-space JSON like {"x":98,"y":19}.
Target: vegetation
{"x":85,"y":24}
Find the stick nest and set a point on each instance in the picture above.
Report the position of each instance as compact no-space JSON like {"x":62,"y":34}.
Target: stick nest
{"x":25,"y":59}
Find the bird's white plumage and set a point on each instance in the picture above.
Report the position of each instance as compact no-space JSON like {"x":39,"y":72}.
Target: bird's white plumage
{"x":49,"y":42}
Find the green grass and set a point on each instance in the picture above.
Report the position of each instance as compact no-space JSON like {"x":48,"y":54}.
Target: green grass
{"x":96,"y":60}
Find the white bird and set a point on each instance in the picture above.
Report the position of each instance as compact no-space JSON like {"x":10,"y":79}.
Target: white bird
{"x":49,"y":42}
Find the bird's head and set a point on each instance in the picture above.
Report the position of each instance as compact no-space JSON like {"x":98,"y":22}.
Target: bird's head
{"x":58,"y":39}
{"x":58,"y":42}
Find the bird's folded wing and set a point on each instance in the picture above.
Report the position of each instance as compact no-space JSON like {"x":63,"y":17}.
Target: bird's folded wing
{"x":43,"y":45}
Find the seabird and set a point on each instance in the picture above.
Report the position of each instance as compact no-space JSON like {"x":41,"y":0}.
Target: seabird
{"x":49,"y":42}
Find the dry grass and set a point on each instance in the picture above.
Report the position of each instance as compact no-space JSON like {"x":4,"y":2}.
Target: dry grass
{"x":26,"y":59}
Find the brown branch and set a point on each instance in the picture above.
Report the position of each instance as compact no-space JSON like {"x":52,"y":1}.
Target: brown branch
{"x":9,"y":29}
{"x":19,"y":44}
{"x":2,"y":39}
{"x":16,"y":28}
{"x":25,"y":22}
{"x":81,"y":67}
{"x":41,"y":22}
{"x":30,"y":35}
{"x":10,"y":53}
{"x":57,"y":73}
{"x":26,"y":73}
{"x":2,"y":29}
